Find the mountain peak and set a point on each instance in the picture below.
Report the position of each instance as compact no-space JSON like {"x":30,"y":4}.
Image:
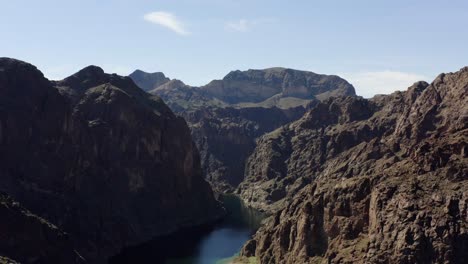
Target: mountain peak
{"x":87,"y":77}
{"x":92,"y":69}
{"x":87,"y":74}
{"x":148,"y":81}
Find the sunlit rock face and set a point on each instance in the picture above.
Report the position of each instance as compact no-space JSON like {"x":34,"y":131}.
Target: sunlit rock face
{"x":95,"y":155}
{"x":366,"y":181}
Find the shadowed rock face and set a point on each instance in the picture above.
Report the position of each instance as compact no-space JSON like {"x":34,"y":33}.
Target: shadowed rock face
{"x":27,"y":238}
{"x":370,"y":181}
{"x":98,"y":157}
{"x":227,"y":116}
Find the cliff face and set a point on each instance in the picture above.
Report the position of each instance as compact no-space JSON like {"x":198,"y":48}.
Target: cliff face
{"x":227,"y":136}
{"x":95,"y":155}
{"x":227,"y":116}
{"x":371,"y":181}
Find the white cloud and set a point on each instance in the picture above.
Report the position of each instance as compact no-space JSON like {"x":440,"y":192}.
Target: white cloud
{"x":242,"y":25}
{"x":368,"y":84}
{"x":167,"y":20}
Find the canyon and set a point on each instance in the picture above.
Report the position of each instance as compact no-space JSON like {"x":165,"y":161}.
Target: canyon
{"x":96,"y":166}
{"x":345,"y":179}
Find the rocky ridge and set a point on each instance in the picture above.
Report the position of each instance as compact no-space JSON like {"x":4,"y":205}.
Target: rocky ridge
{"x":370,"y":181}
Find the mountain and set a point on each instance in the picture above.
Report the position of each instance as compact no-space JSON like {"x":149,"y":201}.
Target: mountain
{"x":148,"y":81}
{"x":104,"y":161}
{"x":383,"y":180}
{"x":274,"y":87}
{"x":257,"y":86}
{"x":227,"y":116}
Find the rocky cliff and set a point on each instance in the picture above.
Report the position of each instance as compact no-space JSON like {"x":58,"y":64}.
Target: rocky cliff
{"x":98,"y":157}
{"x":370,"y":181}
{"x":227,"y":116}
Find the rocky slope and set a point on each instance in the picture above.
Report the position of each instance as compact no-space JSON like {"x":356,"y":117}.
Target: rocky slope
{"x":369,"y":181}
{"x":227,"y":116}
{"x":99,"y":158}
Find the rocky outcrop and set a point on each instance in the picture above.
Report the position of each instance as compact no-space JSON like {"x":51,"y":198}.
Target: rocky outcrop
{"x":227,"y":116}
{"x":370,"y":181}
{"x":101,"y":159}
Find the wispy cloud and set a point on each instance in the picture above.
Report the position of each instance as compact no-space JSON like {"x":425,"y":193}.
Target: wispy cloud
{"x":167,"y":20}
{"x":370,"y":83}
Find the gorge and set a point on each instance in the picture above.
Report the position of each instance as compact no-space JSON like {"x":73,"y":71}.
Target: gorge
{"x":102,"y":168}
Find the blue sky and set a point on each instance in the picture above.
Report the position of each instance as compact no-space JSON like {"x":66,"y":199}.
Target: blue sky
{"x":379,"y":46}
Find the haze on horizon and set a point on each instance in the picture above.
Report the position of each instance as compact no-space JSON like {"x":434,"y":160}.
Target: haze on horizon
{"x":379,"y":47}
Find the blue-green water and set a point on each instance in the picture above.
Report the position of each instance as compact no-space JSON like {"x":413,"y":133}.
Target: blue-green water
{"x":205,"y":245}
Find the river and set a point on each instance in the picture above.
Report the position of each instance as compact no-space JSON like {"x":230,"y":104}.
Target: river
{"x":214,"y":244}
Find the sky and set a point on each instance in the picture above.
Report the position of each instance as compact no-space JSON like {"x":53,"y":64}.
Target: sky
{"x":379,"y":46}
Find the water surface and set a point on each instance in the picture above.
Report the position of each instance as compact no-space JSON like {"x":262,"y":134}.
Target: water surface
{"x":202,"y":245}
